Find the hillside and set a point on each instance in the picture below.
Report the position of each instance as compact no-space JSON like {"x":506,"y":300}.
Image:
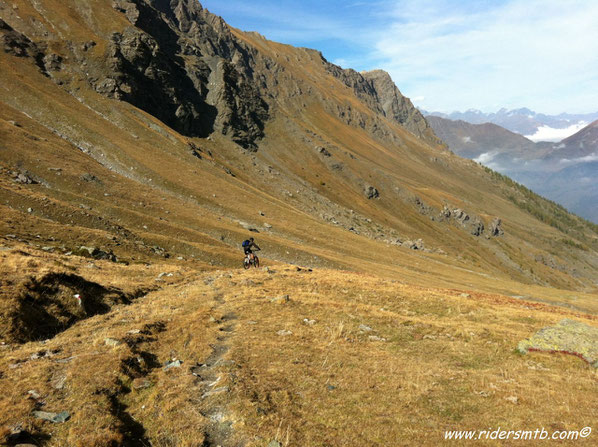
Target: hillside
{"x":142,"y":141}
{"x":582,"y":144}
{"x":473,"y":140}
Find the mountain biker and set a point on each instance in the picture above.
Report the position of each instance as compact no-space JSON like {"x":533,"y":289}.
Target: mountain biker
{"x":247,"y":245}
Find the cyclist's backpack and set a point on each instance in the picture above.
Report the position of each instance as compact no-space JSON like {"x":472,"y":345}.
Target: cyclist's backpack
{"x":245,"y":243}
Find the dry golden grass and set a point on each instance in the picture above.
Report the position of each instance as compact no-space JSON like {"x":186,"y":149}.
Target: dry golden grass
{"x":433,"y":360}
{"x":447,"y":362}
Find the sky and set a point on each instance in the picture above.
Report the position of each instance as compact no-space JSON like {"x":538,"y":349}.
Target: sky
{"x":447,"y":55}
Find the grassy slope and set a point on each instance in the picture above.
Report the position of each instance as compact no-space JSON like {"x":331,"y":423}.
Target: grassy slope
{"x":447,"y":361}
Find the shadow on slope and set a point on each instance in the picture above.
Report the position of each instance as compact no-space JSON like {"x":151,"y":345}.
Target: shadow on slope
{"x":48,"y":305}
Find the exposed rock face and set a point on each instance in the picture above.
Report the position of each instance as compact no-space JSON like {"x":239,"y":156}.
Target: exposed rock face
{"x":377,"y":90}
{"x":399,"y":108}
{"x":496,"y":228}
{"x":201,"y":77}
{"x":183,"y":65}
{"x":20,"y":45}
{"x":201,"y":74}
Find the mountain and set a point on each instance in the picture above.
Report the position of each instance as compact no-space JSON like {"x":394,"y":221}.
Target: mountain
{"x":564,"y":172}
{"x":142,"y":141}
{"x":473,"y":140}
{"x":581,"y":145}
{"x":535,"y":126}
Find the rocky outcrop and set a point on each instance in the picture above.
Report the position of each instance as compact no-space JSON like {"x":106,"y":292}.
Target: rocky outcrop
{"x":371,"y":192}
{"x":17,"y":44}
{"x":398,"y":107}
{"x":201,"y":78}
{"x":473,"y":223}
{"x":377,"y":90}
{"x":496,"y":227}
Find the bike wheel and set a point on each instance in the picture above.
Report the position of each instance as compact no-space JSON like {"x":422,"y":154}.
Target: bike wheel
{"x":256,"y":262}
{"x":246,"y":264}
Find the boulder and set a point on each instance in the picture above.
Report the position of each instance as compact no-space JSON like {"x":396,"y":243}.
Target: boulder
{"x":25,"y":179}
{"x":371,"y":192}
{"x":112,"y":342}
{"x":57,"y":418}
{"x":414,"y":245}
{"x":282,"y":299}
{"x":495,"y":227}
{"x":567,"y":337}
{"x":460,"y":215}
{"x":477,"y":227}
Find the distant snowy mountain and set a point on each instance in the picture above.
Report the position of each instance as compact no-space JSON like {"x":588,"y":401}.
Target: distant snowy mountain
{"x":534,"y":126}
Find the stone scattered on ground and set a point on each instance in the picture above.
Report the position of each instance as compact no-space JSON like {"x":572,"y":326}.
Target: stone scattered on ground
{"x":33,"y":395}
{"x":141,"y":383}
{"x":274,"y":444}
{"x":112,"y":342}
{"x":57,"y":418}
{"x":323,"y":151}
{"x":309,"y":322}
{"x":376,"y":338}
{"x":568,"y":337}
{"x":222,"y":389}
{"x":512,"y":399}
{"x":364,"y":328}
{"x":58,"y":382}
{"x":173,"y":364}
{"x":96,"y":253}
{"x":281,"y":299}
{"x":284,"y":332}
{"x":24,"y":179}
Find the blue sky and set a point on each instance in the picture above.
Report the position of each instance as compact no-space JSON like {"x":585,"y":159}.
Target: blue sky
{"x":448,"y":55}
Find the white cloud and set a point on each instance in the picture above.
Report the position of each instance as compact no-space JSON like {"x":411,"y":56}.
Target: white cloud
{"x":546,"y":133}
{"x":587,"y":159}
{"x":487,"y":159}
{"x":537,"y":53}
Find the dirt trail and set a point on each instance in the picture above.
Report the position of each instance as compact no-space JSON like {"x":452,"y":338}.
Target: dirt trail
{"x":212,"y":377}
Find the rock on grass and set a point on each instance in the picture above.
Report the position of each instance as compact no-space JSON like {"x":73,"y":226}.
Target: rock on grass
{"x":568,"y":337}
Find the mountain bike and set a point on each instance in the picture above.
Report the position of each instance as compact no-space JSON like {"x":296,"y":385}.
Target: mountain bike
{"x":248,"y":261}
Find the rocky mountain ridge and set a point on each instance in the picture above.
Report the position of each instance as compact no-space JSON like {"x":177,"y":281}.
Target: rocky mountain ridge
{"x":522,"y":121}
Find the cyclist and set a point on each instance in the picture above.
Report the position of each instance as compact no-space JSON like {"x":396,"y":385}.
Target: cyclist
{"x":247,"y":245}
